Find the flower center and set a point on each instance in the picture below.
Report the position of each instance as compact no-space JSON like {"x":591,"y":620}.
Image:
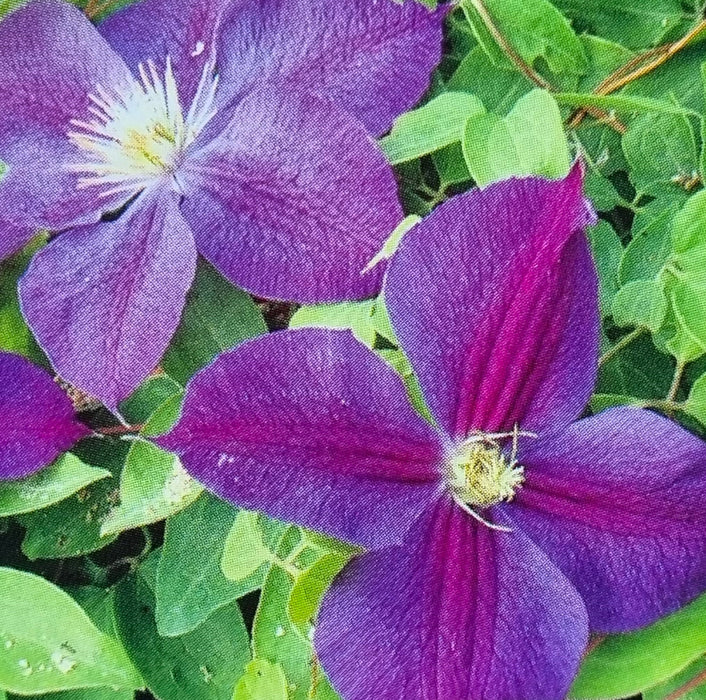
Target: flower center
{"x":139,"y":132}
{"x":481,"y":474}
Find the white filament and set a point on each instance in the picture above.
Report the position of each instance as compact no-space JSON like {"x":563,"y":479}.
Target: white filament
{"x":139,"y":132}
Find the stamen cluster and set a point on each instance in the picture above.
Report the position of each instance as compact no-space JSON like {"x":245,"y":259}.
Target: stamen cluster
{"x":139,"y":131}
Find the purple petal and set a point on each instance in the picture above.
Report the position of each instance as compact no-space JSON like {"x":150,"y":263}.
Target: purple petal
{"x":292,"y":200}
{"x":311,"y":427}
{"x":460,"y":611}
{"x":51,"y":59}
{"x":373,"y":58}
{"x":616,"y":501}
{"x":38,"y":421}
{"x":494,"y":299}
{"x":151,"y":30}
{"x":104,"y":300}
{"x":12,"y":239}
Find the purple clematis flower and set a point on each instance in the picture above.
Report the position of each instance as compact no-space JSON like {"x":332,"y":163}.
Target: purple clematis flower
{"x":215,"y":123}
{"x":505,"y":532}
{"x":38,"y":419}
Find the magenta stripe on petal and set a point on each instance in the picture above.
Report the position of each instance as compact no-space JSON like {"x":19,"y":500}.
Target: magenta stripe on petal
{"x":616,"y":501}
{"x":460,"y":611}
{"x":494,"y":299}
{"x":38,"y":421}
{"x":311,"y":427}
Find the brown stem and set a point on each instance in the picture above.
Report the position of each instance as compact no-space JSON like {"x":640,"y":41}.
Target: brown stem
{"x":120,"y":430}
{"x":505,"y":45}
{"x":695,"y":682}
{"x":638,"y":67}
{"x":676,"y":381}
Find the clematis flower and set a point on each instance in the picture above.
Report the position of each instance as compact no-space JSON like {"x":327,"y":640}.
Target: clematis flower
{"x":38,"y":419}
{"x":501,"y":535}
{"x":209,"y":126}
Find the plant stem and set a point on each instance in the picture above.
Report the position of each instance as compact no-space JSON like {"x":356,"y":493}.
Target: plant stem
{"x":676,"y":381}
{"x":638,"y":67}
{"x":119,"y":430}
{"x":622,"y":343}
{"x":505,"y":45}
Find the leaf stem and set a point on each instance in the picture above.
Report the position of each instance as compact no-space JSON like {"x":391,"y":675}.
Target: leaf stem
{"x":119,"y":430}
{"x":622,"y":343}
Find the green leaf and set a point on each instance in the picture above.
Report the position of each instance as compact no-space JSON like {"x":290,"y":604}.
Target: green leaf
{"x":15,"y":335}
{"x":665,"y":690}
{"x":497,"y":88}
{"x":153,"y":486}
{"x":148,"y":397}
{"x":660,"y":149}
{"x":607,"y":252}
{"x":63,"y":478}
{"x":651,"y":245}
{"x":689,"y":226}
{"x":437,"y":124}
{"x":394,"y":240}
{"x":638,"y":370}
{"x":640,"y":303}
{"x":534,"y":28}
{"x":530,"y":140}
{"x":217,"y":317}
{"x":72,"y":527}
{"x":695,"y":405}
{"x":628,"y":664}
{"x":635,"y":24}
{"x":190,"y":584}
{"x":201,"y":665}
{"x":245,"y":550}
{"x":50,"y":644}
{"x":622,"y":103}
{"x":353,"y":315}
{"x":604,"y":57}
{"x":309,"y":588}
{"x":676,"y":80}
{"x":275,"y":637}
{"x":688,"y":296}
{"x":262,"y":681}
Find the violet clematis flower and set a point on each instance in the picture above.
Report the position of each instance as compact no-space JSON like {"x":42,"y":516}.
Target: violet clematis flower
{"x":38,"y":419}
{"x":508,"y":530}
{"x":214,"y":124}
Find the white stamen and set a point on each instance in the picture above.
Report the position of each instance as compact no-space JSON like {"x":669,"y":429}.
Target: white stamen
{"x":138,"y":133}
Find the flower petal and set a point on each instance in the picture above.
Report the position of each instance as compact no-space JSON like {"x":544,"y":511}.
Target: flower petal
{"x":104,"y":300}
{"x":51,"y":59}
{"x":151,"y":30}
{"x":494,"y":299}
{"x":616,"y":501}
{"x":459,"y":611}
{"x":311,"y":427}
{"x":373,"y":58}
{"x":292,"y":200}
{"x":12,"y":239}
{"x":38,"y":421}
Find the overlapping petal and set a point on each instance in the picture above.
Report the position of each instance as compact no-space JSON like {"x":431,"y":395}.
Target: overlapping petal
{"x":151,"y":30}
{"x":506,"y":329}
{"x":310,"y":427}
{"x":12,"y":238}
{"x":292,"y":200}
{"x":373,"y":58}
{"x":37,"y":416}
{"x":616,"y":501}
{"x":104,"y":300}
{"x":460,"y":611}
{"x":51,"y":59}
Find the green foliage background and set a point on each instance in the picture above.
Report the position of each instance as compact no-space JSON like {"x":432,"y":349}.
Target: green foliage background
{"x":118,"y":573}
